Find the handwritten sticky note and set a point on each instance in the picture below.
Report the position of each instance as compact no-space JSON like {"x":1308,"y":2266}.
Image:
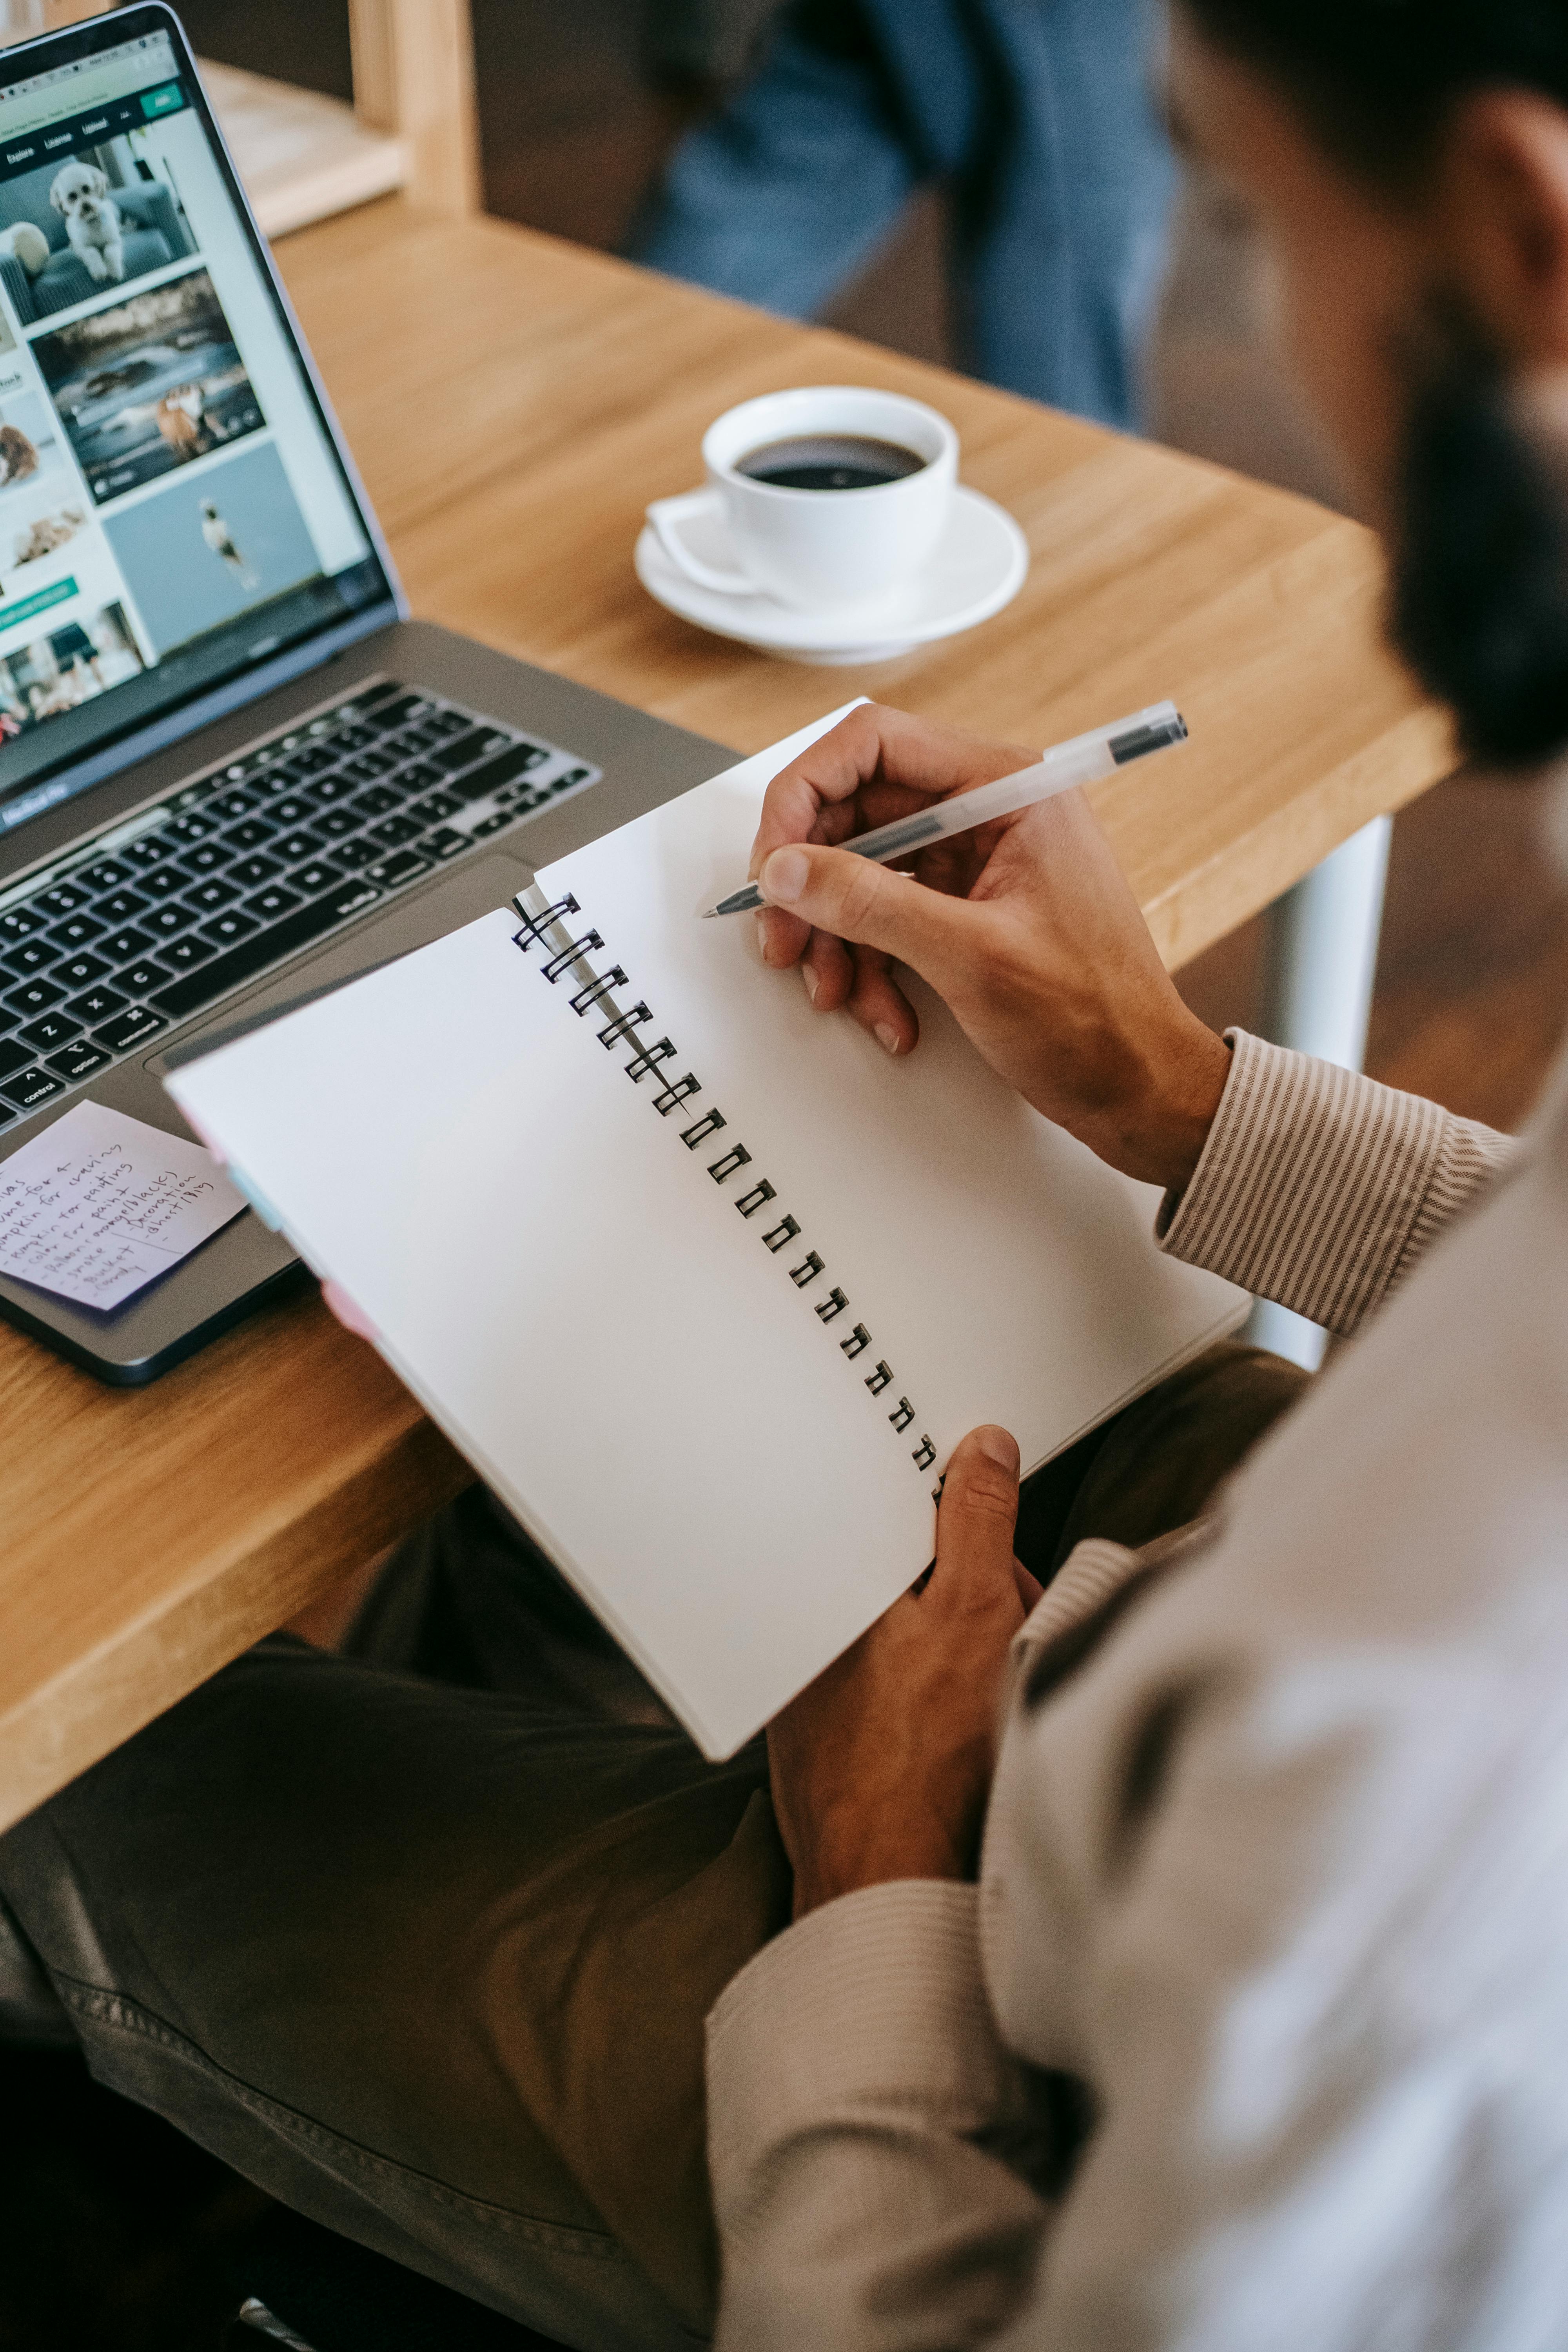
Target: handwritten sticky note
{"x":100,"y":1205}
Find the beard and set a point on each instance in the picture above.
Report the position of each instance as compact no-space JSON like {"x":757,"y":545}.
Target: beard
{"x":1480,"y":604}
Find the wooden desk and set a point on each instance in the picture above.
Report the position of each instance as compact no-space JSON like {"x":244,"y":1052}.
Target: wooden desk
{"x":509,"y":450}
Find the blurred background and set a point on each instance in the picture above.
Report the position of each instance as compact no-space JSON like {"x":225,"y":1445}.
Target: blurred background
{"x":117,"y":2235}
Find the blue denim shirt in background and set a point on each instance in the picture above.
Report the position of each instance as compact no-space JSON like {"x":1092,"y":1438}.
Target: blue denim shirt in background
{"x":1041,"y":117}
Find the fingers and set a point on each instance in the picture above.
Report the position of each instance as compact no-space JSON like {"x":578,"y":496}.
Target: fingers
{"x":979,"y":1510}
{"x":849,"y":897}
{"x":874,"y":756}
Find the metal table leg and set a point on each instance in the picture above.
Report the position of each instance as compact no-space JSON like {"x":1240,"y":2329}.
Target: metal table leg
{"x":1321,"y":964}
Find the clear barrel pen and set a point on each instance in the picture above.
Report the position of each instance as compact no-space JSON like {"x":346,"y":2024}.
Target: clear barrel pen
{"x":1083,"y":761}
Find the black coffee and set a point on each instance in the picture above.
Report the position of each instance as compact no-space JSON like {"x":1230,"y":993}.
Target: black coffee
{"x":830,"y":461}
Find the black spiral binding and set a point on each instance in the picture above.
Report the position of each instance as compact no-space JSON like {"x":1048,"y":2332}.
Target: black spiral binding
{"x":548,"y":927}
{"x":571,"y":953}
{"x":621,"y":1027}
{"x":649,"y":1059}
{"x":585,"y":1001}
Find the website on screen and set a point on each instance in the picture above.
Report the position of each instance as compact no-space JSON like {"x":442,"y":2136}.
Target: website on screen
{"x":172,"y":509}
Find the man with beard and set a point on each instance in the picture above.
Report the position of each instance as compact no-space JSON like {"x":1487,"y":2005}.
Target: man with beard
{"x":1225,"y":2005}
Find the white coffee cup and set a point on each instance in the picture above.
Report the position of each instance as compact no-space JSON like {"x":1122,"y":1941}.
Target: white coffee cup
{"x":819,"y":551}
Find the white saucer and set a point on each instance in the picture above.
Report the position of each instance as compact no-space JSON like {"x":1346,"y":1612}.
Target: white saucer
{"x":980,"y":564}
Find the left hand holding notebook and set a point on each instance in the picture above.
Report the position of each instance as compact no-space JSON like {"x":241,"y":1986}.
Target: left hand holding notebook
{"x":882,"y":1768}
{"x":1028,"y":929}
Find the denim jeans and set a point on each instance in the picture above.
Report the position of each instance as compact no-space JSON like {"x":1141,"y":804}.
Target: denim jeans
{"x":421,"y":1938}
{"x":1038,"y":116}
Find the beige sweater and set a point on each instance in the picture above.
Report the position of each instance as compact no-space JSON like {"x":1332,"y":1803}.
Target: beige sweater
{"x":1275,"y":1888}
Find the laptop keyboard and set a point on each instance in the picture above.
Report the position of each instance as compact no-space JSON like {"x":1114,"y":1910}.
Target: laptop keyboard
{"x":188,"y":900}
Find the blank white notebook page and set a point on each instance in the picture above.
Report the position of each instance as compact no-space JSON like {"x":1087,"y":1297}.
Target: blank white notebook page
{"x":736,"y":1469}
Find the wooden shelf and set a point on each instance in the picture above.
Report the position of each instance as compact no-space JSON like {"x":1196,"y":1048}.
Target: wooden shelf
{"x":302,"y":157}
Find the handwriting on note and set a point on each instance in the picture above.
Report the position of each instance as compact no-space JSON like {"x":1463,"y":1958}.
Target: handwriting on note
{"x":100,"y":1205}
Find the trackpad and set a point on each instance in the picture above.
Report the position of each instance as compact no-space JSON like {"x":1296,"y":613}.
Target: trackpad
{"x":423,"y":916}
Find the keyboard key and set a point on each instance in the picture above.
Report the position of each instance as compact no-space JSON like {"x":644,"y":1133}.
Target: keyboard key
{"x":149,"y":851}
{"x":241,"y":963}
{"x":512,"y":763}
{"x":447,"y":722}
{"x":355,"y":854}
{"x":350,"y":739}
{"x":208,"y":897}
{"x":205,"y":857}
{"x":392,"y":714}
{"x":267,"y":906}
{"x":127,"y":1029}
{"x":13,"y":1057}
{"x":139,"y":979}
{"x":32,"y":955}
{"x":295,"y":846}
{"x":78,"y":1060}
{"x":121,"y":944}
{"x":193,"y":826}
{"x":63,"y":899}
{"x":95,"y":1004}
{"x":224,"y":929}
{"x":230,"y":805}
{"x":445,"y":844}
{"x":37,"y":997}
{"x":253,"y":834}
{"x":105,"y":875}
{"x":30,"y":1088}
{"x":434,"y":807}
{"x":312,"y":761}
{"x":393,"y":831}
{"x":293,"y":809}
{"x":380,"y":800}
{"x":315,"y":878}
{"x":77,"y":931}
{"x":8,"y":1113}
{"x":420,"y":777}
{"x":496,"y":824}
{"x":251,"y":872}
{"x":169,"y":921}
{"x":336,"y":821}
{"x":368,"y":766}
{"x":393,"y":871}
{"x":53,"y":1030}
{"x":187,"y":952}
{"x":479,"y":743}
{"x":76,"y":971}
{"x":120,"y":906}
{"x":20,"y":922}
{"x":164,"y":880}
{"x":333,"y":788}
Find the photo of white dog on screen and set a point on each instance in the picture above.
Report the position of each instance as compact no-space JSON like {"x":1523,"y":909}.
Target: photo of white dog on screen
{"x":79,"y":193}
{"x":91,"y":223}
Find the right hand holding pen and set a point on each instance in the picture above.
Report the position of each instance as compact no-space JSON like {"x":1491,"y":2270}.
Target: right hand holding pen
{"x":1027,"y":928}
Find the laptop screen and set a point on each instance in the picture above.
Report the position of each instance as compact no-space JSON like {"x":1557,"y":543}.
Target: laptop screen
{"x":174,"y":514}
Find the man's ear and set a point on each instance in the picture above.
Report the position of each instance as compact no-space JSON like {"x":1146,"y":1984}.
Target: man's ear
{"x":1504,"y":212}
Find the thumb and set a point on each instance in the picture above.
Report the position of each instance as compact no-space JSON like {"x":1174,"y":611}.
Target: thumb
{"x":853,"y":898}
{"x":979,"y":1508}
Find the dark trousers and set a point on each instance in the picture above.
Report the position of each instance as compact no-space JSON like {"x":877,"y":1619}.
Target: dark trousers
{"x":421,"y":1937}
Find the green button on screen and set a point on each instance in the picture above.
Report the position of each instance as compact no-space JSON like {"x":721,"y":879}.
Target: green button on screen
{"x":164,"y":100}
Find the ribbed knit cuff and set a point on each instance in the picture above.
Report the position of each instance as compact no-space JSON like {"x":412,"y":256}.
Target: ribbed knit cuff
{"x":1318,"y":1187}
{"x":876,"y":2000}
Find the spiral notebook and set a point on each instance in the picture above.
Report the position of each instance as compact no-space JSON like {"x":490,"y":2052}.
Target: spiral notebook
{"x":704,"y":1286}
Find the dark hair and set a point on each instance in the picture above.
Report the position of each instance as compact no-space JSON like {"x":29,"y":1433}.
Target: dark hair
{"x":1375,"y":78}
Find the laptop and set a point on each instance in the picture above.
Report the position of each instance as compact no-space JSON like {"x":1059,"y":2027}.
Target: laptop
{"x":232,"y":771}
